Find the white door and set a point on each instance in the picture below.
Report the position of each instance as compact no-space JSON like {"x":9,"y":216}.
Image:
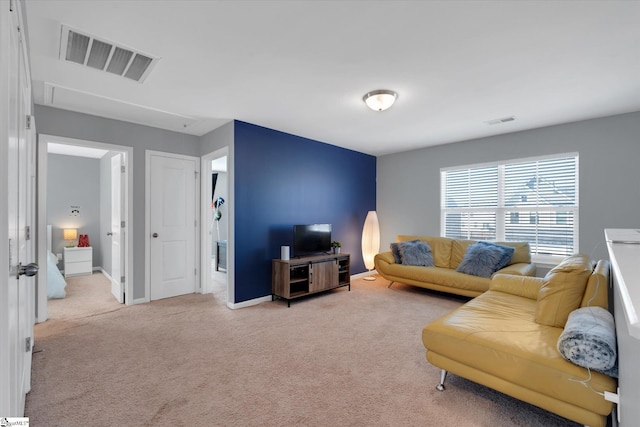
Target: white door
{"x":117,"y":287}
{"x":172,"y":224}
{"x":17,"y":304}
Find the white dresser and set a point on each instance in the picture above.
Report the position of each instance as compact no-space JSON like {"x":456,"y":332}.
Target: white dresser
{"x":78,"y":261}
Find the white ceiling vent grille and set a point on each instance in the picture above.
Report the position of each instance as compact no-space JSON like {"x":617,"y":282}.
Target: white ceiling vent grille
{"x":499,"y":121}
{"x":104,"y":55}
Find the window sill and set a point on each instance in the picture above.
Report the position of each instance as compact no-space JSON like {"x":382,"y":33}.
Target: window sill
{"x":546,"y":261}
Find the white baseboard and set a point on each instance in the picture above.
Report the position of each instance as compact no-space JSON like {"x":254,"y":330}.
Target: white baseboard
{"x":248,"y":303}
{"x":365,"y":274}
{"x":260,"y":300}
{"x":104,"y":273}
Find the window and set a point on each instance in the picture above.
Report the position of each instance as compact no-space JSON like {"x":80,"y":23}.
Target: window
{"x":532,"y":200}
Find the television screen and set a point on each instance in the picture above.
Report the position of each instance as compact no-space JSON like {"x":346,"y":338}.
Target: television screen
{"x":311,"y":239}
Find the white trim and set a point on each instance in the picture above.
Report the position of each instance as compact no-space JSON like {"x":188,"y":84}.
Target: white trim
{"x":43,"y":140}
{"x":104,"y":273}
{"x":509,"y":161}
{"x":365,"y":274}
{"x":147,"y":226}
{"x":141,"y":300}
{"x":248,"y":303}
{"x":205,"y":215}
{"x":499,"y":209}
{"x":546,"y":261}
{"x":42,"y":312}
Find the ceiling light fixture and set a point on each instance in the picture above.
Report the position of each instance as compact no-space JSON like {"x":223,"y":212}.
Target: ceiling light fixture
{"x":380,"y":100}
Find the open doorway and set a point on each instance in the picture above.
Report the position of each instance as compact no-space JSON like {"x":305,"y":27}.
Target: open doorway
{"x":84,"y":205}
{"x":216,"y":245}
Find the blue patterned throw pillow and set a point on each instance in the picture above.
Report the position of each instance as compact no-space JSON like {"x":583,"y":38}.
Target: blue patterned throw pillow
{"x":485,"y":258}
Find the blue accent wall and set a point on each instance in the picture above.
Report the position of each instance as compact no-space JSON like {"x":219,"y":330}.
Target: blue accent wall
{"x":282,"y":180}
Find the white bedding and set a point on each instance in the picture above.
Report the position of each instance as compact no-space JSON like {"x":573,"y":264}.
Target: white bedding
{"x":55,"y":281}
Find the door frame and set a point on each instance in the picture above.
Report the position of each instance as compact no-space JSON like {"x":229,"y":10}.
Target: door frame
{"x":207,"y":216}
{"x":117,"y":287}
{"x":147,"y":216}
{"x":43,"y":140}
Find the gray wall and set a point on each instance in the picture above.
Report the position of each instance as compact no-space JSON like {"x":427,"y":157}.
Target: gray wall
{"x":217,"y":139}
{"x":74,"y":181}
{"x":52,"y":121}
{"x":408,"y":190}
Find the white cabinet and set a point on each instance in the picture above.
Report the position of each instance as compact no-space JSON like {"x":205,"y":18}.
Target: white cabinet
{"x":78,"y":261}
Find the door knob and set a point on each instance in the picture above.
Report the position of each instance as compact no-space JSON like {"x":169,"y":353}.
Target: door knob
{"x":109,"y":234}
{"x":155,"y":235}
{"x":28,"y":270}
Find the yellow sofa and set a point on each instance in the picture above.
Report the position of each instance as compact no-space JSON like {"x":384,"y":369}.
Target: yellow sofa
{"x":506,"y":339}
{"x":447,"y":256}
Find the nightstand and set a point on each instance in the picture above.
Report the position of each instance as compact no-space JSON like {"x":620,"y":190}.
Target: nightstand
{"x":78,"y":261}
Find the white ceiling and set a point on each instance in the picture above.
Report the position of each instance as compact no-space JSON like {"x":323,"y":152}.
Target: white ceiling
{"x":302,"y":67}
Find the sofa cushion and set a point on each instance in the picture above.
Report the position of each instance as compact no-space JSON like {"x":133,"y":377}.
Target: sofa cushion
{"x":414,"y":252}
{"x":562,"y":290}
{"x":438,"y":276}
{"x":458,"y":250}
{"x":496,"y":333}
{"x":522,"y":286}
{"x":522,"y":253}
{"x":596,"y":293}
{"x":485,"y":258}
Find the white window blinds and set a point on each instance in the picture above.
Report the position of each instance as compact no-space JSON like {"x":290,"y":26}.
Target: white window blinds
{"x":532,"y":200}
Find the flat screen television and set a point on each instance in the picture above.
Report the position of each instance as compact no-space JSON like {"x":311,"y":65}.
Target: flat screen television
{"x":311,"y":239}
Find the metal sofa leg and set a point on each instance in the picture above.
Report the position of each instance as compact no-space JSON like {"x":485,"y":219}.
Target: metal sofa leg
{"x":390,"y":283}
{"x":443,"y":376}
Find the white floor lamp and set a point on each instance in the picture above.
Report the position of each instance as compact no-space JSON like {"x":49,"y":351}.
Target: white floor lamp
{"x":370,"y":241}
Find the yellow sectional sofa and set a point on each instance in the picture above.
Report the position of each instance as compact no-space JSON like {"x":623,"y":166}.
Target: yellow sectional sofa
{"x":507,"y":339}
{"x":447,"y":256}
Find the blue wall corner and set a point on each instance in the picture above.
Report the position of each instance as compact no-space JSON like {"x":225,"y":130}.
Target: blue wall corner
{"x":282,"y":180}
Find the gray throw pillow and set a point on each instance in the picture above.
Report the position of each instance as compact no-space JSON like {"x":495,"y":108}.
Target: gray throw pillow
{"x":485,"y":258}
{"x":395,"y":250}
{"x":415,"y":252}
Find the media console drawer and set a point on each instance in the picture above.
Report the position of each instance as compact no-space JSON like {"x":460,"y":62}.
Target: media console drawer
{"x":78,"y":261}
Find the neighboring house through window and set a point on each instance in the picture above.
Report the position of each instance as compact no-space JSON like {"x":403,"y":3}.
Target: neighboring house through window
{"x":533,"y":200}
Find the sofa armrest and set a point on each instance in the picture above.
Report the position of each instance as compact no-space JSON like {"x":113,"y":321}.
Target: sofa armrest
{"x":522,"y":286}
{"x":518,"y":269}
{"x":385,"y":257}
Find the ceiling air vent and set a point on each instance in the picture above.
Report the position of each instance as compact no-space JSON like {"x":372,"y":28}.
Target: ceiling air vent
{"x":502,"y":120}
{"x":104,"y":55}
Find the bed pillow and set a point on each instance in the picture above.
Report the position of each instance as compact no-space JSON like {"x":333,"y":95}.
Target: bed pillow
{"x":414,"y":252}
{"x":482,"y":259}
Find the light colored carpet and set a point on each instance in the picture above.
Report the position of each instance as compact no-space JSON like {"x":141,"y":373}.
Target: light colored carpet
{"x":86,"y":296}
{"x":338,"y":359}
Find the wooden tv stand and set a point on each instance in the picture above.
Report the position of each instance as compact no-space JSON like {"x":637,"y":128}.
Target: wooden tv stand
{"x":299,"y":277}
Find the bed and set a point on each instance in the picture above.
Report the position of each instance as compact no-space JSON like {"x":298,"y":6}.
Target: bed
{"x":55,"y":282}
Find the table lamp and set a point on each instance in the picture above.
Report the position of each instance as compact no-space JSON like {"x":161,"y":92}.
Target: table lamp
{"x":70,"y":235}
